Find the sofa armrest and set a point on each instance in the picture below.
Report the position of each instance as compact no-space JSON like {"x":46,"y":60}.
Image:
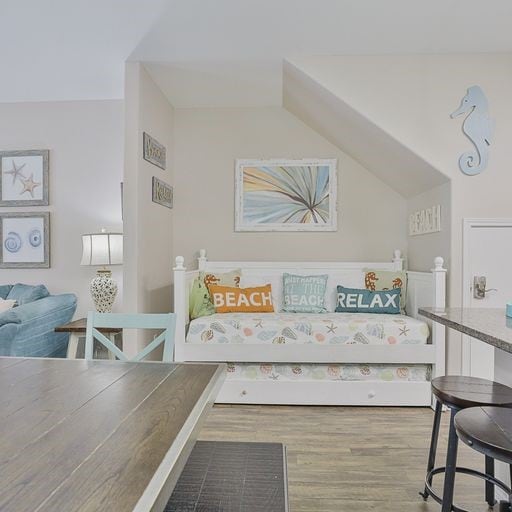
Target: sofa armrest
{"x":38,"y":309}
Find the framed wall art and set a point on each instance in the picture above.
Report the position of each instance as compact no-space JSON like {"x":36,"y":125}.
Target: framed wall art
{"x":286,"y":195}
{"x":24,"y":178}
{"x":162,"y":193}
{"x":154,"y":152}
{"x":25,"y":239}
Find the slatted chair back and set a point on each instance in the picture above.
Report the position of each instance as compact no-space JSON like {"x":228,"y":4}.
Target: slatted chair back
{"x":96,"y":321}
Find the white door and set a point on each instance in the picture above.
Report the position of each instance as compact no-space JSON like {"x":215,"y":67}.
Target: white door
{"x":487,"y":253}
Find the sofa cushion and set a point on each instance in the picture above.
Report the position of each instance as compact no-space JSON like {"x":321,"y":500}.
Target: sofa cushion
{"x":25,"y":293}
{"x":9,"y":317}
{"x":4,"y":290}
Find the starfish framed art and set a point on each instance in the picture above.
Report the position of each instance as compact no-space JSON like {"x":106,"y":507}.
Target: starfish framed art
{"x":24,"y":178}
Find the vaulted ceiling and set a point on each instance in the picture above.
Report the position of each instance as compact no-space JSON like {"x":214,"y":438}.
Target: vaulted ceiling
{"x":222,"y":52}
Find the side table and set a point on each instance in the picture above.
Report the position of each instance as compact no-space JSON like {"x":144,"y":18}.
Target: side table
{"x":77,"y":330}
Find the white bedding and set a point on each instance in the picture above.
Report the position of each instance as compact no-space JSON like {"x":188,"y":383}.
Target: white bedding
{"x":308,"y":328}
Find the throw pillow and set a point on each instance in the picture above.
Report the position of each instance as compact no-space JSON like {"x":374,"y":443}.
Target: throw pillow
{"x":5,"y":305}
{"x":25,"y":293}
{"x":304,"y":294}
{"x":227,"y":299}
{"x":377,"y":280}
{"x":200,"y":303}
{"x":354,"y":300}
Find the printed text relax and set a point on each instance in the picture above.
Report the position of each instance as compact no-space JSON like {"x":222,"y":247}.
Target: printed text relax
{"x":355,"y":300}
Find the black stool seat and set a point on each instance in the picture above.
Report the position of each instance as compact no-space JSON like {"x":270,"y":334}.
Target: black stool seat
{"x":463,"y":392}
{"x":488,"y":430}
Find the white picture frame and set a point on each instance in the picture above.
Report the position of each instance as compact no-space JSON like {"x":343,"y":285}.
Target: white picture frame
{"x":24,"y":178}
{"x":25,"y":240}
{"x":286,"y":195}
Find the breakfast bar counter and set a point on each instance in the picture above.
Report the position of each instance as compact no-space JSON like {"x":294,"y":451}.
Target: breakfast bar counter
{"x":489,"y":325}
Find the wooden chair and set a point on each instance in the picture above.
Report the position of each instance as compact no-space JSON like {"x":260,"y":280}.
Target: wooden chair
{"x":96,"y":321}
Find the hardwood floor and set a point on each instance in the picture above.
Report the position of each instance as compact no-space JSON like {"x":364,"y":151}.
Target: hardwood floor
{"x":350,"y":459}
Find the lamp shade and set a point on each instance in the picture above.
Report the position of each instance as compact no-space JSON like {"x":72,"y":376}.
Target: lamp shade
{"x":102,"y":249}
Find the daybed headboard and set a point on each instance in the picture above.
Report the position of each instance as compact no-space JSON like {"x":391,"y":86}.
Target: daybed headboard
{"x":425,"y":289}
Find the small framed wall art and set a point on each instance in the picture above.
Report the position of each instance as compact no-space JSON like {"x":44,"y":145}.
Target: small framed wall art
{"x":154,"y":152}
{"x":162,"y":193}
{"x":286,"y":195}
{"x":25,"y":240}
{"x":24,"y":178}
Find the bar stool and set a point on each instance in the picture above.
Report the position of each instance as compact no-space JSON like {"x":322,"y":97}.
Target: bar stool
{"x":457,"y":393}
{"x":488,"y":430}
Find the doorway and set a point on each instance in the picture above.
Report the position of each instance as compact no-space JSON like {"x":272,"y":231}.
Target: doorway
{"x":487,"y":249}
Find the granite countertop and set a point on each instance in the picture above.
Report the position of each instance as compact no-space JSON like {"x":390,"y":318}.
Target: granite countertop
{"x":489,"y":325}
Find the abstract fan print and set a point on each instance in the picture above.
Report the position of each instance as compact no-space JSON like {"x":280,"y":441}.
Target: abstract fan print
{"x":287,"y":197}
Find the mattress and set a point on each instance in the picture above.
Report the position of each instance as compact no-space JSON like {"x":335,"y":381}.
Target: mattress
{"x":328,"y":372}
{"x":308,"y":328}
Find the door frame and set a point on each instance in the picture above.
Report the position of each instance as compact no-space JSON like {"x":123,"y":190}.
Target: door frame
{"x":467,"y":225}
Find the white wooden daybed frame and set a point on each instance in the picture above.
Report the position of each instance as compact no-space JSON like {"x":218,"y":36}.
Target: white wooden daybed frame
{"x":424,"y":289}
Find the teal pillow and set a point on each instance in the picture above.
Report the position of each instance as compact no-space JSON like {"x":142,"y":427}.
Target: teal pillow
{"x":25,"y":293}
{"x":304,"y":294}
{"x":4,"y":290}
{"x":354,"y":300}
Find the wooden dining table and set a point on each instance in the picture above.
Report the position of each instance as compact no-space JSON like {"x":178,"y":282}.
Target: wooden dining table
{"x":94,"y":436}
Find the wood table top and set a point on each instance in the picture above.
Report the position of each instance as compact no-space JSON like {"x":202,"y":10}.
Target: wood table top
{"x":80,"y":325}
{"x":489,"y":325}
{"x":84,"y":436}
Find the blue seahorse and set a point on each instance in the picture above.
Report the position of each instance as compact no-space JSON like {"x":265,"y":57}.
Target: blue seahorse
{"x":478,"y":129}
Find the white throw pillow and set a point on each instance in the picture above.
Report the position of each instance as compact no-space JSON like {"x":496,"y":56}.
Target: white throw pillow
{"x":5,"y":305}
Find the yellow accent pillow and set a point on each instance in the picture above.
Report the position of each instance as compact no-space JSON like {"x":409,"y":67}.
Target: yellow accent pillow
{"x":227,"y":299}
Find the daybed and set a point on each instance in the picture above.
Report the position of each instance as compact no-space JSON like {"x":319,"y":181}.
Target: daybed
{"x":322,"y":358}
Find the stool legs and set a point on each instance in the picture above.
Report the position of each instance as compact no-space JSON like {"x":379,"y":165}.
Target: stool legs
{"x":451,"y":465}
{"x":433,"y":444}
{"x":489,"y":487}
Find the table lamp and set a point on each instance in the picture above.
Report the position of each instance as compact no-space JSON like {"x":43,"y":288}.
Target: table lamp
{"x":102,"y":250}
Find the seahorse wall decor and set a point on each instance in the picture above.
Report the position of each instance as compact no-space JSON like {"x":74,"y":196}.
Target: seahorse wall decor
{"x":478,"y":129}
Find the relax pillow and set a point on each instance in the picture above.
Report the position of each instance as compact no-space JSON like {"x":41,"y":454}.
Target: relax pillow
{"x":304,"y":294}
{"x":200,"y":303}
{"x":227,"y":299}
{"x":377,"y":280}
{"x":354,"y":300}
{"x":25,"y":293}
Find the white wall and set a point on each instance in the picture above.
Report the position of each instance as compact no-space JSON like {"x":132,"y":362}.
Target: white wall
{"x":412,"y":98}
{"x":148,"y":226}
{"x":86,"y":165}
{"x":371,"y":216}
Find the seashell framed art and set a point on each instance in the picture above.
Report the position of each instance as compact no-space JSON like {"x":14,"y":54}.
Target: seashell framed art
{"x":25,"y":239}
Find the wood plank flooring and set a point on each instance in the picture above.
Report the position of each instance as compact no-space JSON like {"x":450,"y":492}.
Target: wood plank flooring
{"x":350,"y":459}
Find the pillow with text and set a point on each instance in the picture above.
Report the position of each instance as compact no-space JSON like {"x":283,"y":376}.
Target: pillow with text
{"x":355,"y":300}
{"x":227,"y":299}
{"x":200,"y":302}
{"x":304,"y":294}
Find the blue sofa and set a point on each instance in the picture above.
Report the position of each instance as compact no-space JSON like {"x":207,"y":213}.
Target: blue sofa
{"x":27,"y":330}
